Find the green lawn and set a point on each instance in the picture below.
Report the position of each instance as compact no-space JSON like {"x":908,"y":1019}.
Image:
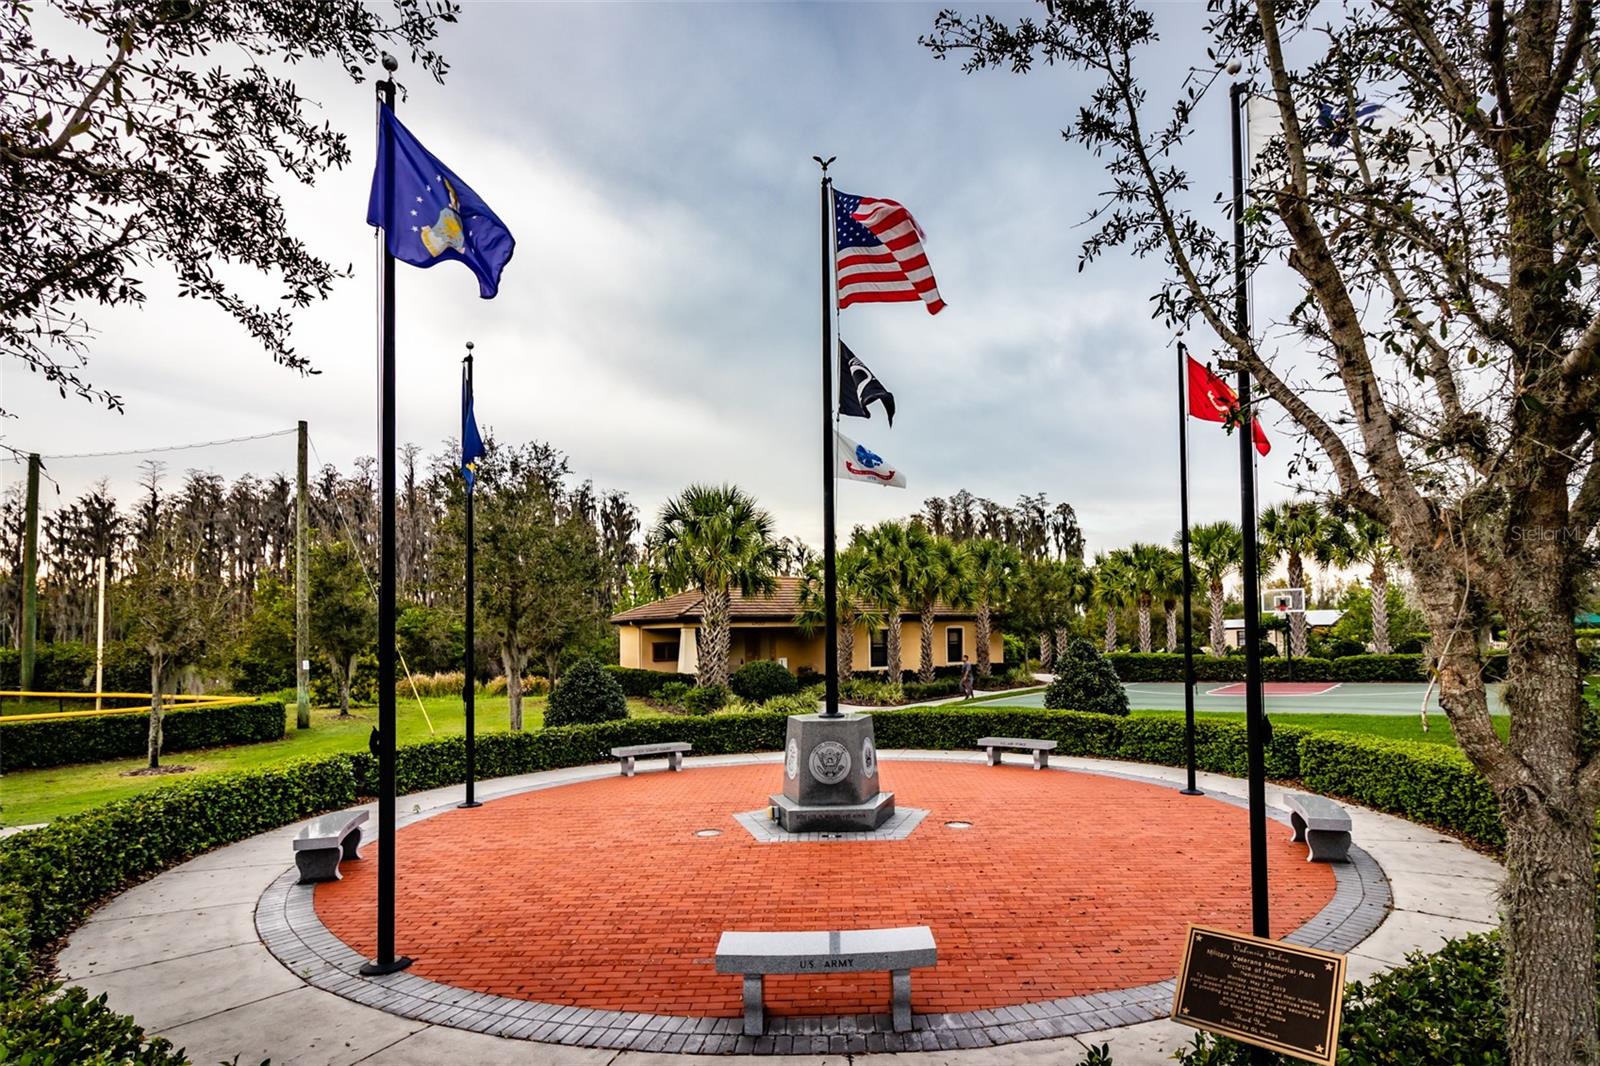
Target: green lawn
{"x":30,"y":796}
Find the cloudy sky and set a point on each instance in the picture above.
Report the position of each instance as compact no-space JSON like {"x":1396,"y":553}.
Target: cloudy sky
{"x":660,"y":320}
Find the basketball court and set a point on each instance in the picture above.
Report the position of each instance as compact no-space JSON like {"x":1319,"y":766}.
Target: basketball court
{"x":1283,"y":697}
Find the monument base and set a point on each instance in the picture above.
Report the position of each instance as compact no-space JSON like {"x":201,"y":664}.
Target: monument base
{"x":796,"y":817}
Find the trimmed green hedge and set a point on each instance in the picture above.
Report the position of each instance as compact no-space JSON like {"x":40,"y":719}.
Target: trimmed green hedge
{"x":50,"y":878}
{"x":35,"y":745}
{"x":641,"y":684}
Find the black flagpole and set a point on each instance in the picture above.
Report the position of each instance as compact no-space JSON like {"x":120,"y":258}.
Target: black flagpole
{"x":830,"y":593}
{"x":1254,"y":713}
{"x":1188,"y":577}
{"x":384,"y":735}
{"x":469,"y":688}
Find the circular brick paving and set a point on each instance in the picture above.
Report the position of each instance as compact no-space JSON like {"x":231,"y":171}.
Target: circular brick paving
{"x":600,"y":895}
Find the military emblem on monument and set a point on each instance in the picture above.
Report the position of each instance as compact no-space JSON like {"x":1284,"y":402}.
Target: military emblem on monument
{"x":869,"y":758}
{"x":791,"y":760}
{"x":829,"y":762}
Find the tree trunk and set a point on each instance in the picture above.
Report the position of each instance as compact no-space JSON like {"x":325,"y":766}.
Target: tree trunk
{"x":341,"y":678}
{"x":512,"y":662}
{"x":894,"y":666}
{"x":1378,"y":585}
{"x":1548,"y":928}
{"x":847,"y":648}
{"x":1047,"y":652}
{"x":925,"y":665}
{"x":982,"y":637}
{"x":1111,"y":630}
{"x":1297,"y":619}
{"x":1172,"y":630}
{"x":715,"y":640}
{"x":1063,"y":636}
{"x":1144,"y":624}
{"x":1219,"y":631}
{"x":155,"y":712}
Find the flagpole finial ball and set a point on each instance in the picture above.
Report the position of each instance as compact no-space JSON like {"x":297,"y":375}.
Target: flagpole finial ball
{"x":1234,"y":66}
{"x":469,"y":346}
{"x":390,"y":63}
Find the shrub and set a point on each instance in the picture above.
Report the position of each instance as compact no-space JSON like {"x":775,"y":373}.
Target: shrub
{"x":1085,"y":681}
{"x":643,"y":684}
{"x":673,"y":692}
{"x":531,"y":686}
{"x":916,"y":691}
{"x":705,"y":699}
{"x":866,"y":692}
{"x":585,"y":694}
{"x":794,"y":703}
{"x":761,"y":680}
{"x":35,"y":745}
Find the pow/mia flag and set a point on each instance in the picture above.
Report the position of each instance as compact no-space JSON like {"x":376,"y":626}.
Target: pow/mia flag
{"x":859,"y":386}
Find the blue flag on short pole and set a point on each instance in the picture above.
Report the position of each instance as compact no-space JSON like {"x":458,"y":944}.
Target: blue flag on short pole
{"x":434,"y":215}
{"x":471,"y":440}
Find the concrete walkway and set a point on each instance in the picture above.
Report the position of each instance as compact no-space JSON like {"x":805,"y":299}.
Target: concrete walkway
{"x":182,"y":955}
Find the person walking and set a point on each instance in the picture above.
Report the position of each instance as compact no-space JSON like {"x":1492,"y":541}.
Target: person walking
{"x":966,"y":677}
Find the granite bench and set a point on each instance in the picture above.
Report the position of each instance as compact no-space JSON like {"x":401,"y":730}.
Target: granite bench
{"x":1322,"y":824}
{"x":898,"y":951}
{"x":1041,"y":749}
{"x":319,"y":847}
{"x":674,"y":752}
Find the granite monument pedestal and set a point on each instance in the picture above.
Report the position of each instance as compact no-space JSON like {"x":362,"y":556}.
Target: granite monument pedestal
{"x":830,"y":776}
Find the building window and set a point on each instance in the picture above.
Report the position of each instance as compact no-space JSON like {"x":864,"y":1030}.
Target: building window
{"x":880,"y":648}
{"x":953,"y":648}
{"x":664,"y":651}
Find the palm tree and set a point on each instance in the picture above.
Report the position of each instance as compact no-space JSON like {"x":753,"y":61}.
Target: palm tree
{"x":715,"y":538}
{"x":1361,"y":540}
{"x":939,"y":573}
{"x":1154,"y":570}
{"x":854,"y":605}
{"x":1073,"y":587}
{"x":1296,"y":529}
{"x":1216,"y":549}
{"x":889,"y":548}
{"x":995,"y":569}
{"x":1113,"y":588}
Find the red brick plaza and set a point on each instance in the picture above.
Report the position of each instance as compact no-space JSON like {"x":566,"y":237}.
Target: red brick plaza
{"x":600,"y":894}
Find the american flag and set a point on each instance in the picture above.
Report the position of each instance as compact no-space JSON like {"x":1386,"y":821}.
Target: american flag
{"x":880,"y":256}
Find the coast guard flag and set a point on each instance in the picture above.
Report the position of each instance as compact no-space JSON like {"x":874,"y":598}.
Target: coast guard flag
{"x":434,"y":215}
{"x":1212,"y":400}
{"x":471,"y":440}
{"x":859,"y":386}
{"x":1394,"y":140}
{"x":878,"y":253}
{"x":860,"y":463}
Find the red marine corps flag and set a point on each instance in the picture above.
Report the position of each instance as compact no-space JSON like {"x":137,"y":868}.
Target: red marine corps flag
{"x":1212,"y":400}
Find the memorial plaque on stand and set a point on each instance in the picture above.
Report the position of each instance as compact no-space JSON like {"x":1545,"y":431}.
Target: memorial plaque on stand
{"x":1269,"y":993}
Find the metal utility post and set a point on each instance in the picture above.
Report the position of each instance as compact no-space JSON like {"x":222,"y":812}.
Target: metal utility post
{"x":384,"y":736}
{"x":30,"y":574}
{"x":1255,"y":731}
{"x":302,"y":593}
{"x":469,"y":687}
{"x":830,"y":577}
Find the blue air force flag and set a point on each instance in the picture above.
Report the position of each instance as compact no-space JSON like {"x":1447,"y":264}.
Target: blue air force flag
{"x":432,"y":215}
{"x":857,"y":462}
{"x":471,"y":440}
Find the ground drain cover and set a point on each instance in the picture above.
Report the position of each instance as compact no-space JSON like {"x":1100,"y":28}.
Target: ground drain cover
{"x":708,"y":832}
{"x":958,"y":825}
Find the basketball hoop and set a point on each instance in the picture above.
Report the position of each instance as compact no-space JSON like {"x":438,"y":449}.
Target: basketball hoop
{"x":1283,"y":602}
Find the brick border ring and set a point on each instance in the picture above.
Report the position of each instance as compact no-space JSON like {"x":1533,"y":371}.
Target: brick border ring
{"x":288,"y":925}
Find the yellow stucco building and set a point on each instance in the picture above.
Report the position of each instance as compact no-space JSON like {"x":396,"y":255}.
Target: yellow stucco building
{"x":662,"y":635}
